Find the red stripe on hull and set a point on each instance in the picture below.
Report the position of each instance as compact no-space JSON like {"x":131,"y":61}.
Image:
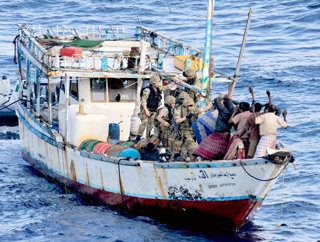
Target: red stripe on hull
{"x":232,"y":213}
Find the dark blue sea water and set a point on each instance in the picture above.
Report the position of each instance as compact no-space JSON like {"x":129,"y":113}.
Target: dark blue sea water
{"x":282,"y":54}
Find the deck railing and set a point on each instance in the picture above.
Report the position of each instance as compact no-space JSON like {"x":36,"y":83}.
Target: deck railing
{"x":168,"y":45}
{"x":34,"y":48}
{"x":98,"y":60}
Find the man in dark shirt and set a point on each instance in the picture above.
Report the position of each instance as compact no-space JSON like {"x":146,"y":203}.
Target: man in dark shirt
{"x":225,"y":107}
{"x":215,"y":145}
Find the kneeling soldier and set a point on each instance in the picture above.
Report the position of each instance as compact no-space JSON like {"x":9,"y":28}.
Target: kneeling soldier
{"x":185,"y":116}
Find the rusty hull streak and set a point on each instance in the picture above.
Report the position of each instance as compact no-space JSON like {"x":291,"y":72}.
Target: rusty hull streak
{"x":68,"y":171}
{"x":87,"y":175}
{"x":58,"y":158}
{"x":73,"y":171}
{"x":101,"y":177}
{"x":158,"y":179}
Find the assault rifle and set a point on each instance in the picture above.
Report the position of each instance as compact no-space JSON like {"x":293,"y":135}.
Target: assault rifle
{"x":175,"y":129}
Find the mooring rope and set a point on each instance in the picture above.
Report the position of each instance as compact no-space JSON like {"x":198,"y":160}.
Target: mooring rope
{"x":259,"y":179}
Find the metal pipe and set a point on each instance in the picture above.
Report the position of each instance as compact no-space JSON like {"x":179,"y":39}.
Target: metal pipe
{"x":241,"y":51}
{"x":28,"y":84}
{"x":38,"y":92}
{"x":50,"y":101}
{"x":67,"y":87}
{"x":207,"y":54}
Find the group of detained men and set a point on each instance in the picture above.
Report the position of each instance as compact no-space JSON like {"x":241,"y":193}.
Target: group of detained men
{"x":256,"y":130}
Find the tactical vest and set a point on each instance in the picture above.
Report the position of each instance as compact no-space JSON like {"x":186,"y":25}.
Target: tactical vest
{"x":154,"y":99}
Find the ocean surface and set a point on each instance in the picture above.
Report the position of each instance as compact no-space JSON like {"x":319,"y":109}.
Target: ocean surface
{"x":282,"y":54}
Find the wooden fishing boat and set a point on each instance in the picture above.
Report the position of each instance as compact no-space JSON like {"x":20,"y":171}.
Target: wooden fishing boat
{"x":82,"y":75}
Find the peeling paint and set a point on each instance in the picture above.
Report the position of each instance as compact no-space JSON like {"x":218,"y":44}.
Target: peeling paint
{"x":183,"y":193}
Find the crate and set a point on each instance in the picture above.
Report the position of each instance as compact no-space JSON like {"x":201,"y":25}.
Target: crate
{"x":180,"y":62}
{"x":71,"y":52}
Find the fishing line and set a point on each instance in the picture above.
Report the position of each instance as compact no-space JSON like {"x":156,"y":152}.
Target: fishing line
{"x":284,"y":173}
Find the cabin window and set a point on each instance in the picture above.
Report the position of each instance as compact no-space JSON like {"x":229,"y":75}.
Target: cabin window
{"x":98,"y":89}
{"x":122,"y":90}
{"x":74,"y":88}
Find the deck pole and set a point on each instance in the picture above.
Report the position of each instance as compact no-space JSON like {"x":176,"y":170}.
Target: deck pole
{"x":50,"y":100}
{"x":38,"y":92}
{"x":241,"y":51}
{"x":134,"y":118}
{"x":207,"y":54}
{"x":28,"y":84}
{"x":67,"y":88}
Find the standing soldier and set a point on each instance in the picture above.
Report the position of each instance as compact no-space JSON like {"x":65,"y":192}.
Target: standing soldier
{"x":192,"y":79}
{"x":164,"y":120}
{"x":150,"y":101}
{"x":185,"y":116}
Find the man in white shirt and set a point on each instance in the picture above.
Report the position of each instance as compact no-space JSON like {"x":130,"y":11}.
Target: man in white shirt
{"x":269,"y":122}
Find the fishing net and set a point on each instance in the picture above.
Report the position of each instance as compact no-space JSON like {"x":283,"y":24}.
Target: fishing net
{"x":84,"y":43}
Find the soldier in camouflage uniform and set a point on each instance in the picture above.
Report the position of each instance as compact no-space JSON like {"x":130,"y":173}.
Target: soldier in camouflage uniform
{"x":185,"y":116}
{"x":192,"y":79}
{"x":163,"y":121}
{"x":150,"y":101}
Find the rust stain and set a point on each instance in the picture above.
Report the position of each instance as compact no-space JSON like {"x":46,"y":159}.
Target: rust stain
{"x":121,"y":185}
{"x":164,"y":173}
{"x":66,"y":161}
{"x":73,"y":171}
{"x":58,"y":158}
{"x":101,"y":177}
{"x":158,"y":179}
{"x":87,"y":175}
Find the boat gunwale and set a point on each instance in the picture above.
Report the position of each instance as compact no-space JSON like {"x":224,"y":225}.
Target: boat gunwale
{"x":131,"y":162}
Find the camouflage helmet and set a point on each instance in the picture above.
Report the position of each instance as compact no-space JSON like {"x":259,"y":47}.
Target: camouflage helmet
{"x":188,"y":101}
{"x":154,"y":79}
{"x":183,"y":95}
{"x":170,"y":100}
{"x":190,"y":74}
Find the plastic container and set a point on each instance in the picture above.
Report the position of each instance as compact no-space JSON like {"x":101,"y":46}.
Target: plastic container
{"x":89,"y":144}
{"x":180,"y":62}
{"x":123,"y":151}
{"x":71,"y":52}
{"x":102,"y":147}
{"x":127,"y":144}
{"x":114,"y":131}
{"x":114,"y":141}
